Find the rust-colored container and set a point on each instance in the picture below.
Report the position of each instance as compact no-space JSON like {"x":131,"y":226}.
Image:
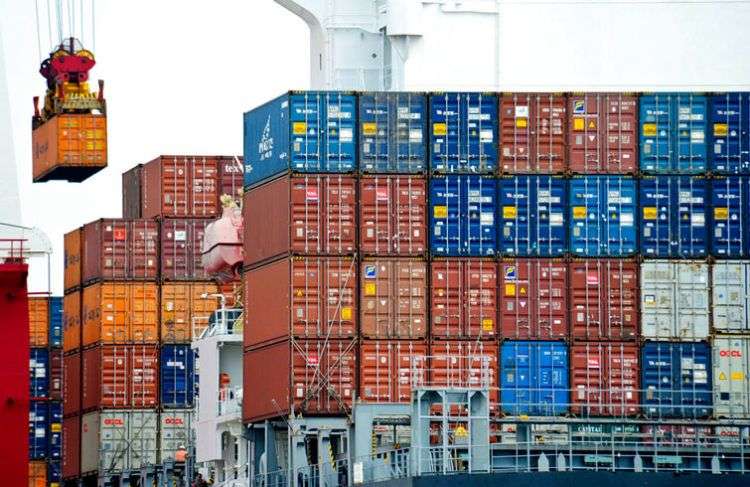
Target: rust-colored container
{"x":304,"y":297}
{"x":180,"y":187}
{"x":186,"y":306}
{"x":72,"y":384}
{"x":393,"y":215}
{"x":71,"y":447}
{"x":132,"y":200}
{"x":603,"y":133}
{"x":181,"y":248}
{"x":55,"y":374}
{"x":387,"y":367}
{"x":464,"y":298}
{"x":533,"y":299}
{"x":393,"y":298}
{"x":39,"y":321}
{"x":532,"y":133}
{"x":119,"y":249}
{"x":73,"y":259}
{"x":231,"y":177}
{"x":465,"y":364}
{"x":318,"y":377}
{"x":69,"y":147}
{"x":120,"y":312}
{"x":310,"y":215}
{"x":604,"y":299}
{"x":120,"y":376}
{"x":604,"y":378}
{"x":72,"y":328}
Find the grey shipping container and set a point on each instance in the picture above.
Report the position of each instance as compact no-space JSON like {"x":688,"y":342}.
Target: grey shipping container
{"x":674,"y":300}
{"x":175,"y":430}
{"x":730,"y":296}
{"x":112,"y":441}
{"x":731,"y":382}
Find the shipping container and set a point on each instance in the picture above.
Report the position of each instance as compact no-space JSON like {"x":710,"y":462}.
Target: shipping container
{"x":532,"y":216}
{"x":39,"y":373}
{"x":113,"y":441}
{"x":534,"y":378}
{"x":55,"y":374}
{"x":462,"y":364}
{"x":392,"y":132}
{"x":731,"y":380}
{"x":181,"y":249}
{"x":120,"y":376}
{"x":730,"y":199}
{"x":38,"y":430}
{"x":54,"y":473}
{"x":393,"y":299}
{"x":302,"y":131}
{"x":674,"y":127}
{"x":462,"y":216}
{"x":232,"y":292}
{"x":463,"y":298}
{"x":310,"y":215}
{"x":38,"y":321}
{"x":532,"y":133}
{"x":312,"y":377}
{"x":673,"y":216}
{"x":175,"y":430}
{"x":730,"y":305}
{"x":676,"y":379}
{"x":604,"y":299}
{"x":73,"y":259}
{"x":71,"y":147}
{"x":117,"y":249}
{"x":603,"y":216}
{"x":393,"y":215}
{"x":603,"y":133}
{"x":605,"y":378}
{"x":533,"y":299}
{"x":186,"y":306}
{"x":132,"y":196}
{"x":72,"y":328}
{"x":671,"y":435}
{"x":177,"y":376}
{"x":72,"y":384}
{"x":310,"y":297}
{"x":71,"y":440}
{"x":388,"y":368}
{"x":56,"y":322}
{"x":37,"y":474}
{"x":120,"y":312}
{"x":231,"y":179}
{"x":729,"y":125}
{"x":54,"y":430}
{"x":674,"y":300}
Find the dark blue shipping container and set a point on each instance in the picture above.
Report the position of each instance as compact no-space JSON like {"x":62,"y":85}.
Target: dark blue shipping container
{"x":54,"y":430}
{"x":462,"y":216}
{"x":676,"y":378}
{"x":392,"y":132}
{"x":38,"y":430}
{"x":55,"y":321}
{"x":730,"y":212}
{"x":54,"y":472}
{"x":39,"y":373}
{"x":602,"y":216}
{"x":673,"y":216}
{"x":177,"y":376}
{"x":309,"y":132}
{"x":534,"y":377}
{"x":463,"y":133}
{"x":674,"y":127}
{"x":532,"y":216}
{"x":729,"y":123}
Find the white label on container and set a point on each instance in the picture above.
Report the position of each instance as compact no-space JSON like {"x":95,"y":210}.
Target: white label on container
{"x":522,"y":111}
{"x":180,"y":235}
{"x":415,"y":134}
{"x":700,"y":377}
{"x":486,"y":135}
{"x":697,"y":135}
{"x":346,"y":135}
{"x":487,"y":218}
{"x":556,"y":219}
{"x":687,"y":363}
{"x":300,"y":392}
{"x":358,"y":473}
{"x":698,"y":219}
{"x":627,"y":219}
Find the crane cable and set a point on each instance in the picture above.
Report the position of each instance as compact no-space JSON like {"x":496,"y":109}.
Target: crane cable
{"x":38,"y":30}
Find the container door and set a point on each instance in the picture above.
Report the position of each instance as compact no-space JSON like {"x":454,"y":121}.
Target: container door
{"x":730,"y":296}
{"x":176,"y":376}
{"x":659,"y":377}
{"x":142,"y":444}
{"x":517,"y":383}
{"x":38,"y":431}
{"x":478,"y":288}
{"x":729,"y":124}
{"x":176,"y":429}
{"x":658,"y":300}
{"x":38,"y":373}
{"x":692,"y":376}
{"x":54,"y":430}
{"x":731,"y":206}
{"x":731,"y":387}
{"x":445,"y":216}
{"x":692,"y":128}
{"x":479,"y":204}
{"x":552,"y":378}
{"x":691,"y":312}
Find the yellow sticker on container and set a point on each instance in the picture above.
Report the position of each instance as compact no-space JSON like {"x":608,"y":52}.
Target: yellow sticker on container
{"x":461,"y":432}
{"x":579,"y":212}
{"x":738,"y":376}
{"x":299,"y":128}
{"x":487,"y":324}
{"x":370,"y":289}
{"x":722,"y":376}
{"x":56,"y":427}
{"x":721,"y":129}
{"x":369,"y":128}
{"x":509,"y":212}
{"x":510,"y":289}
{"x":346,"y":313}
{"x":649,"y":129}
{"x":578,"y":123}
{"x":721,"y":213}
{"x":439,"y":128}
{"x":522,"y":123}
{"x":440,"y":212}
{"x":649,"y":213}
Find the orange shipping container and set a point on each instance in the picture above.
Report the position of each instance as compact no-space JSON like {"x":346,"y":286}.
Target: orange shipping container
{"x":120,"y":312}
{"x":38,"y":473}
{"x":72,"y":276}
{"x":72,"y":321}
{"x":70,"y":147}
{"x":186,"y":305}
{"x":39,"y":321}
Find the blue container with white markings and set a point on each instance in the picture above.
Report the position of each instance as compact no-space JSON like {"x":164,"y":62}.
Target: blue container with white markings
{"x":55,"y":321}
{"x":463,"y":133}
{"x":676,"y":378}
{"x":730,"y":216}
{"x":462,"y":216}
{"x":534,"y":377}
{"x":307,"y":132}
{"x":729,"y":124}
{"x":54,"y":473}
{"x":673,"y":132}
{"x":673,"y":216}
{"x":602,"y":216}
{"x":392,"y":132}
{"x":54,"y":430}
{"x":38,"y":373}
{"x":177,"y":376}
{"x":38,"y":430}
{"x":531,"y":215}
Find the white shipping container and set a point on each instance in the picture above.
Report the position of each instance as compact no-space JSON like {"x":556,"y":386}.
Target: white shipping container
{"x":175,"y":429}
{"x":674,"y":300}
{"x":730,"y":296}
{"x":116,"y":440}
{"x":731,"y":386}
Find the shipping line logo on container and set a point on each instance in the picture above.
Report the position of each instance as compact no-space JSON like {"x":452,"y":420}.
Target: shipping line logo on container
{"x":265,"y":146}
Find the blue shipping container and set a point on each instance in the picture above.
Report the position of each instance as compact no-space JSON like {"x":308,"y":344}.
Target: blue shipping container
{"x":462,"y":216}
{"x":309,"y":132}
{"x":532,"y":216}
{"x":673,"y":216}
{"x":38,"y":430}
{"x":602,"y":216}
{"x":463,"y":133}
{"x":39,"y":373}
{"x":392,"y":132}
{"x":730,"y":212}
{"x":54,"y":430}
{"x":534,"y":377}
{"x":674,"y":127}
{"x":729,"y":124}
{"x":55,"y":321}
{"x":676,"y":378}
{"x":54,"y":473}
{"x":177,"y":376}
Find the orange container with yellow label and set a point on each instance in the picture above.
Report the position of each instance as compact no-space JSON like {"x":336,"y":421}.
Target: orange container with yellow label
{"x":72,"y":244}
{"x":37,"y":473}
{"x":39,"y":321}
{"x":72,"y":321}
{"x":69,"y":147}
{"x":120,"y":312}
{"x":186,"y":306}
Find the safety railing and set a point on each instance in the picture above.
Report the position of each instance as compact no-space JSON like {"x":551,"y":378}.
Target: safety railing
{"x":12,"y":251}
{"x":471,"y":371}
{"x":220,"y":322}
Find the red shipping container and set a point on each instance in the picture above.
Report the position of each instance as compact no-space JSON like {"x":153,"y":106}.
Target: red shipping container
{"x":181,"y":187}
{"x":72,"y":384}
{"x":132,"y":200}
{"x":387,"y":369}
{"x":464,"y":298}
{"x":603,"y":133}
{"x":604,"y":299}
{"x":304,"y":297}
{"x":71,"y":447}
{"x":118,"y":249}
{"x":231,"y":177}
{"x":181,"y":248}
{"x":393,"y":298}
{"x":55,"y":374}
{"x":532,"y":133}
{"x":120,"y":376}
{"x":393,"y":215}
{"x":316,"y":377}
{"x":310,"y":215}
{"x":604,"y":378}
{"x":465,"y":364}
{"x":533,"y":299}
